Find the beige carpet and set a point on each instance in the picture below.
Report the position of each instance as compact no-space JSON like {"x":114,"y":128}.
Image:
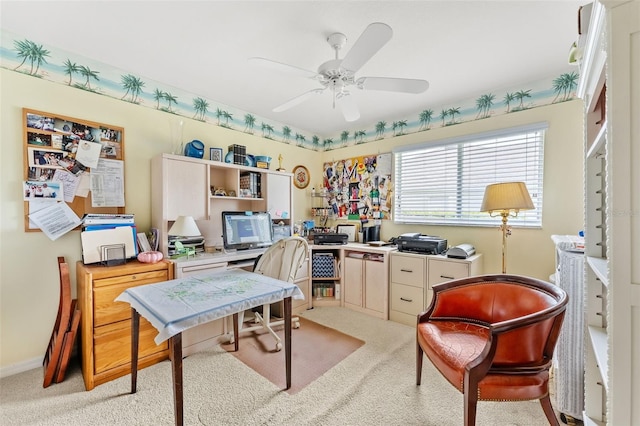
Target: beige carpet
{"x":315,"y":349}
{"x":375,"y":385}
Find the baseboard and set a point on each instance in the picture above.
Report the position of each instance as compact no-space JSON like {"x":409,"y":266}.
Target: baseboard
{"x":21,"y":367}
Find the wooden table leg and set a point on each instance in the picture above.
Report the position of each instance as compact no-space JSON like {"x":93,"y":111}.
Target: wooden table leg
{"x":236,"y":332}
{"x":135,"y":333}
{"x":175,"y":347}
{"x":287,"y":339}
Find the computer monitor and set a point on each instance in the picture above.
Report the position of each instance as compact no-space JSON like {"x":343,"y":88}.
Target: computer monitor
{"x":246,"y":230}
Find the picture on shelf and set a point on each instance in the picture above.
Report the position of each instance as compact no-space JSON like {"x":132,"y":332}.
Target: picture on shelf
{"x":215,"y":154}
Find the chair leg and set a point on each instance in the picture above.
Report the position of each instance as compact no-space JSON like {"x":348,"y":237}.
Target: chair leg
{"x":419,"y":356}
{"x":470,"y":405}
{"x":548,"y":411}
{"x":470,"y":391}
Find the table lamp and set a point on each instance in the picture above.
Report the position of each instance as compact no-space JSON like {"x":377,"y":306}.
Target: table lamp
{"x":184,"y":226}
{"x":506,"y":199}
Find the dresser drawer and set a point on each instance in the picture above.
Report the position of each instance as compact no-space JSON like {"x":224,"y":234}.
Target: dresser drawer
{"x":407,"y":270}
{"x":406,"y":299}
{"x":442,"y":271}
{"x":105,"y":310}
{"x":112,"y":344}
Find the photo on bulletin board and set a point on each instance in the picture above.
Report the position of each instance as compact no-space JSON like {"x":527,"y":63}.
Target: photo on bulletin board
{"x":37,"y":190}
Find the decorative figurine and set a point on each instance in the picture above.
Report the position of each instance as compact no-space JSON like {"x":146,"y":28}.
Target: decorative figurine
{"x":280,"y":169}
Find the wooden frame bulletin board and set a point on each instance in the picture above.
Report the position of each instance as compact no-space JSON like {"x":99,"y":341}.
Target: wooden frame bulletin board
{"x":360,"y":188}
{"x":57,"y":152}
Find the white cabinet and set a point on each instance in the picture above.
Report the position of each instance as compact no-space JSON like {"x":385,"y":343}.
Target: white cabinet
{"x":608,"y":84}
{"x":413,"y":276}
{"x":187,"y":199}
{"x":185,"y":186}
{"x":360,"y":281}
{"x":365,"y":283}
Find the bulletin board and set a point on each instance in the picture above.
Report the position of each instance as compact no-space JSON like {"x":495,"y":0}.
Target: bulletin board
{"x":76,"y":162}
{"x":360,"y":188}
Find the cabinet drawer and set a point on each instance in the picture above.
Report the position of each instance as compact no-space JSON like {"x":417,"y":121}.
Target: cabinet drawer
{"x":441,"y":271}
{"x":133,"y":279}
{"x":105,"y":310}
{"x":112,"y":344}
{"x":408,"y":270}
{"x":407,"y":299}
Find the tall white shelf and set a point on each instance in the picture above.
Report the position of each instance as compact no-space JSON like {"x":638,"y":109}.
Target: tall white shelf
{"x":610,"y":87}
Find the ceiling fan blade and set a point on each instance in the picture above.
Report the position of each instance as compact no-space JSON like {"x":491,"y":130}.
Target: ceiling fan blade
{"x":370,"y":41}
{"x":406,"y":85}
{"x":348,"y":106}
{"x":278,"y":66}
{"x":297,"y":100}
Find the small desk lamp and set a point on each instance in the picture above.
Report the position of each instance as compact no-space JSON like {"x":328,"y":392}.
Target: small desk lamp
{"x":506,"y":199}
{"x":184,"y":226}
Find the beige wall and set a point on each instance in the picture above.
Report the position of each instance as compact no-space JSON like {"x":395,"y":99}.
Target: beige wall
{"x":28,"y":273}
{"x":530,"y":250}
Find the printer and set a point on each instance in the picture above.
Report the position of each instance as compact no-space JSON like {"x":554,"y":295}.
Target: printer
{"x":421,"y":244}
{"x":330,"y":238}
{"x":462,"y":251}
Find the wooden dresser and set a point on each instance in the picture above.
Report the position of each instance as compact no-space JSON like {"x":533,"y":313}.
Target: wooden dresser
{"x":105,"y":326}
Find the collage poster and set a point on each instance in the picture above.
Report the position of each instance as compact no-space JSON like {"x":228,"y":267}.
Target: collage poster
{"x":359,"y":188}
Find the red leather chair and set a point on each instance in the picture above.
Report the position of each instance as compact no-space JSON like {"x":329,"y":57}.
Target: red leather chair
{"x":492,"y":337}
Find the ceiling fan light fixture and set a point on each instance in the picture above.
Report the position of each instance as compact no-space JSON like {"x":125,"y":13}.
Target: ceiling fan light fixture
{"x":338,"y":74}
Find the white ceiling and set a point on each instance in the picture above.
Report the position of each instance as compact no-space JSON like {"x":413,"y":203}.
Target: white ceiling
{"x":463,"y":48}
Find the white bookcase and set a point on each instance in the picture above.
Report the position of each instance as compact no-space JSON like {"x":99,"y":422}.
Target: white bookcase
{"x":610,"y":87}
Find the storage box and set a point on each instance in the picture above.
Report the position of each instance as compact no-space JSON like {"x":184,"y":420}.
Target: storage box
{"x":323,"y":266}
{"x":239,"y":154}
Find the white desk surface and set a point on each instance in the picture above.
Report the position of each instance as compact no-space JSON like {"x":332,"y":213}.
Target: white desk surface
{"x":176,"y":305}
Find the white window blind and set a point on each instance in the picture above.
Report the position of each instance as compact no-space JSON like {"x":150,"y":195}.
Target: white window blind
{"x":443,"y":183}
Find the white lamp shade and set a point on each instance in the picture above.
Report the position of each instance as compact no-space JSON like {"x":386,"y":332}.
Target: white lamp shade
{"x":506,"y":196}
{"x":184,"y":226}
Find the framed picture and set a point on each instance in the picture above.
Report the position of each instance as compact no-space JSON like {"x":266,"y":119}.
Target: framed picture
{"x":301,"y":177}
{"x":215,"y":154}
{"x":350,"y":230}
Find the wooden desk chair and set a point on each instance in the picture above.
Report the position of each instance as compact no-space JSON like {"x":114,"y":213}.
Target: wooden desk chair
{"x":281,"y":261}
{"x":58,"y":352}
{"x":492,"y":337}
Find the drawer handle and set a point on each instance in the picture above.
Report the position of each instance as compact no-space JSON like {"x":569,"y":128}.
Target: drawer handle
{"x":406,"y":270}
{"x":406,"y":300}
{"x":446,"y":277}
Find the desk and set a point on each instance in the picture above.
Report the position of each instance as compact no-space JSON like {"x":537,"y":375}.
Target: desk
{"x":177,"y":305}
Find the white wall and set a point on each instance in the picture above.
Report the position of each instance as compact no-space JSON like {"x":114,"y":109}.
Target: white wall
{"x":28,"y":273}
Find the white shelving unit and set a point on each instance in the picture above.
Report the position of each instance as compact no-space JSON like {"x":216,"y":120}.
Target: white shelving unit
{"x":609,"y":79}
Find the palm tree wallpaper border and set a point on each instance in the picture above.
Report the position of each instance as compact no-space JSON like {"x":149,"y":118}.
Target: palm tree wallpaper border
{"x":28,"y":57}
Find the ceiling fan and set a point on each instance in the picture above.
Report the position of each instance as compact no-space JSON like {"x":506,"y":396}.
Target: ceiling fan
{"x":338,"y":75}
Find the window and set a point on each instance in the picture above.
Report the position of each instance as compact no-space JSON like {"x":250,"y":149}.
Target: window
{"x":443,"y":182}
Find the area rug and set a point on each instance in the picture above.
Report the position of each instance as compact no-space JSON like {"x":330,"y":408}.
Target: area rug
{"x":315,"y":349}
